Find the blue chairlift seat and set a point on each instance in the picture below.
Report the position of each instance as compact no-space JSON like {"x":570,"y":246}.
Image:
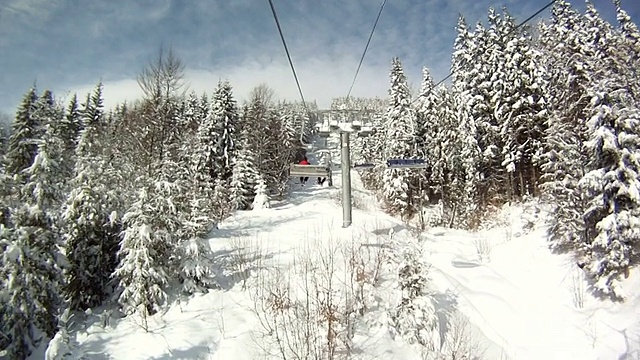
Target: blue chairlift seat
{"x":406,"y":164}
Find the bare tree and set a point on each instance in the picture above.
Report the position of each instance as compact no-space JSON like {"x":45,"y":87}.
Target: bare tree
{"x":164,"y":77}
{"x":264,"y":93}
{"x":163,"y":84}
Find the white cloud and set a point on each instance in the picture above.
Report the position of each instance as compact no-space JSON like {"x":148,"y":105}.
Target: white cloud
{"x":69,"y":45}
{"x":320,"y":80}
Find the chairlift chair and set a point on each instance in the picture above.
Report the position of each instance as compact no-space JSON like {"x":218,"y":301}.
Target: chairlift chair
{"x":406,"y":164}
{"x":356,"y":125}
{"x":366,"y":130}
{"x":333,"y":125}
{"x":323,"y":131}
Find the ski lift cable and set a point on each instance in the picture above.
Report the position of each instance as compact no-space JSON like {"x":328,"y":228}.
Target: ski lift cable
{"x":514,"y":29}
{"x":366,"y":47}
{"x":286,"y":49}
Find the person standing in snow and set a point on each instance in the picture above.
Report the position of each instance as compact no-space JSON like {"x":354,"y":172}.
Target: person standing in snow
{"x":303,"y":179}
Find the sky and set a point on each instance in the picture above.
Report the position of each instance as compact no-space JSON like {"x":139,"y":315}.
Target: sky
{"x":68,"y":46}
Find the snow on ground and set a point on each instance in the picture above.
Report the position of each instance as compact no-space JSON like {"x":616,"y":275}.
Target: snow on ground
{"x":531,"y":303}
{"x":521,"y":301}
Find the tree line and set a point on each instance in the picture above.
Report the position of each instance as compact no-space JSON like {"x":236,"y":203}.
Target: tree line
{"x":550,"y":112}
{"x":116,"y":206}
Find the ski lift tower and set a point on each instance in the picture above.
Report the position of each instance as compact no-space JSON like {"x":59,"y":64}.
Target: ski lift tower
{"x":345,"y":122}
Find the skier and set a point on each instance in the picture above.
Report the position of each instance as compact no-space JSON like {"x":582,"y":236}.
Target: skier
{"x":303,"y":179}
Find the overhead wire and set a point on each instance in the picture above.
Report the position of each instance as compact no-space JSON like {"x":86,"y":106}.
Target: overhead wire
{"x":286,"y":49}
{"x":366,"y":47}
{"x":513,"y":30}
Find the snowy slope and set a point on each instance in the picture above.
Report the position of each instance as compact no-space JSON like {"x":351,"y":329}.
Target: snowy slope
{"x":521,"y":301}
{"x":531,"y":303}
{"x":222,"y":323}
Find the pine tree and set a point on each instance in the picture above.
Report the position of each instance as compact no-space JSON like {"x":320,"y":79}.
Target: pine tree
{"x":68,"y":130}
{"x":435,"y":135}
{"x":467,"y":163}
{"x":261,"y":200}
{"x":271,"y":142}
{"x":225,"y":117}
{"x":31,"y":260}
{"x":22,"y":147}
{"x":613,"y":187}
{"x":522,"y":108}
{"x":207,"y":173}
{"x":400,"y":135}
{"x":147,"y":234}
{"x":627,"y":49}
{"x":91,"y":224}
{"x":188,"y":252}
{"x":243,"y":179}
{"x":414,"y":318}
{"x":205,"y":160}
{"x":563,"y":162}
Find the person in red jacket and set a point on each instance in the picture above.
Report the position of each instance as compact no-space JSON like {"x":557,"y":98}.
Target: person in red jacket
{"x":303,"y":179}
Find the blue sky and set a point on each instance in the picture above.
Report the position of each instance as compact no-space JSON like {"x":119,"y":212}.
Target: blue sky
{"x":70,"y":45}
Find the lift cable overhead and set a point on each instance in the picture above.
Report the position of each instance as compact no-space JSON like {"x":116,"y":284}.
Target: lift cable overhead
{"x":286,"y":49}
{"x":366,"y":47}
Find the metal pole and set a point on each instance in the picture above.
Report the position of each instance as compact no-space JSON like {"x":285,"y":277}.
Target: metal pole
{"x":346,"y":179}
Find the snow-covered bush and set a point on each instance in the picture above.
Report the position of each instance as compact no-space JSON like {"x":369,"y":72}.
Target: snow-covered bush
{"x":62,"y":345}
{"x":414,"y":317}
{"x":261,"y":200}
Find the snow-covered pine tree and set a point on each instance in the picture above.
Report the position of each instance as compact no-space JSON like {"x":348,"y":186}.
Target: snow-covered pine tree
{"x":613,"y":187}
{"x":244,"y":177}
{"x":90,"y":222}
{"x":187,"y":252}
{"x":205,"y":160}
{"x":628,"y":48}
{"x":31,"y":260}
{"x":521,"y":107}
{"x":221,"y":200}
{"x":224,"y":113}
{"x":427,"y":128}
{"x":400,"y":127}
{"x":478,"y":82}
{"x":278,"y":149}
{"x":21,"y":147}
{"x":206,"y":174}
{"x":435,"y":133}
{"x":261,"y":200}
{"x":466,"y":159}
{"x":571,"y":65}
{"x":192,"y":113}
{"x":414,"y":318}
{"x":611,"y":183}
{"x":464,"y":165}
{"x":147,"y":237}
{"x":196,"y":260}
{"x":269,"y":141}
{"x":71,"y":125}
{"x":67,"y":129}
{"x":52,"y":119}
